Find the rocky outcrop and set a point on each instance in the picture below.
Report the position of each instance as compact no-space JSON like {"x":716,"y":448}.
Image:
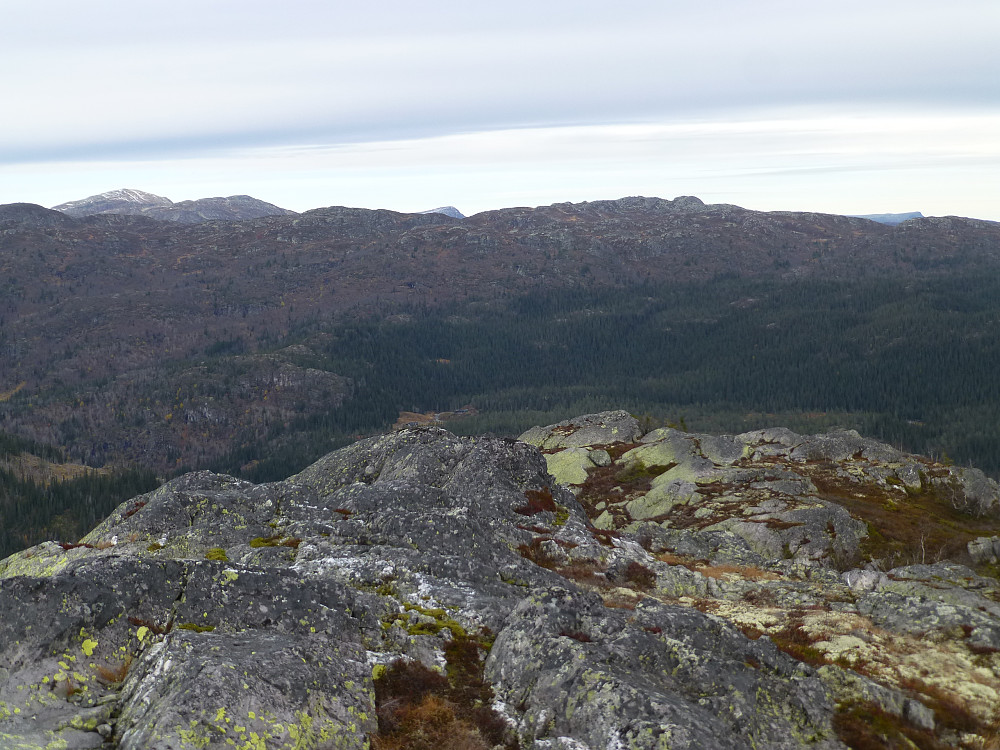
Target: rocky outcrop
{"x":689,"y":591}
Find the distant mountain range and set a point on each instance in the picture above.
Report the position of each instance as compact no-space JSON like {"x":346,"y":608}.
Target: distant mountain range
{"x":139,"y":203}
{"x":130,"y":202}
{"x":892,"y":219}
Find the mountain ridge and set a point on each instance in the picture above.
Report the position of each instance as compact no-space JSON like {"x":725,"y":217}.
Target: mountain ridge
{"x":129,"y":201}
{"x":155,"y":293}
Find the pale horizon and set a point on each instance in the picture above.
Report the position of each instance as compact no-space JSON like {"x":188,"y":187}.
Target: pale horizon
{"x":856,"y":108}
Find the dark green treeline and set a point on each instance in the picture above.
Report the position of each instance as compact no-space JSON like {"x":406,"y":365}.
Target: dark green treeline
{"x":913,"y":363}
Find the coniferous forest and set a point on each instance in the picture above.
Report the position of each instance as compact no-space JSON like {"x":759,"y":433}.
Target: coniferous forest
{"x":34,"y":510}
{"x":911,"y":362}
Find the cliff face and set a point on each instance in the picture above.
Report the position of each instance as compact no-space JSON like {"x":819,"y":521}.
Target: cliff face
{"x":424,"y":590}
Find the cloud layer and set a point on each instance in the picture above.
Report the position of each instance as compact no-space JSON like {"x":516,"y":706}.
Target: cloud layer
{"x":107,"y":85}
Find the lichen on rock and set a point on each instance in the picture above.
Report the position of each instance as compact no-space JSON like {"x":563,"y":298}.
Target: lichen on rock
{"x":684,"y":591}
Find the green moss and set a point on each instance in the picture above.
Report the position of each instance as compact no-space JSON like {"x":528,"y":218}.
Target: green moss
{"x":275,"y":541}
{"x":441,"y":621}
{"x":637,"y":472}
{"x":217,"y":553}
{"x":434,"y":612}
{"x":196,"y":628}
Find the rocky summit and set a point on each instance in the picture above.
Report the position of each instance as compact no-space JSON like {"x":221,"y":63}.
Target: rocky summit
{"x":595,"y":584}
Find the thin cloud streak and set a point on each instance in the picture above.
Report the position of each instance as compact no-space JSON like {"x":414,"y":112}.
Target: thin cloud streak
{"x":562,"y":95}
{"x":837,"y":164}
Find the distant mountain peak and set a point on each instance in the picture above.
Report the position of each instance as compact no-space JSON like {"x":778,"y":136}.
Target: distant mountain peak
{"x":446,"y":210}
{"x":134,"y":196}
{"x":889,"y":218}
{"x":113,"y":201}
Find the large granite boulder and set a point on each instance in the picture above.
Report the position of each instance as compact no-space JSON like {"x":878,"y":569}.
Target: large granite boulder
{"x":691,"y":591}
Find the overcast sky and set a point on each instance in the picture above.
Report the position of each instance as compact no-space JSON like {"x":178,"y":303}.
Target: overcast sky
{"x":845,"y":107}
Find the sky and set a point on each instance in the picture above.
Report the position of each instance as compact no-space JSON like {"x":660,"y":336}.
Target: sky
{"x":848,"y":107}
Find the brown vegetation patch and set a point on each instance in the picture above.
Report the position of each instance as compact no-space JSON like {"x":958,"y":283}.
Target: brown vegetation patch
{"x":534,"y":552}
{"x":619,"y":599}
{"x":683,"y":516}
{"x":921,"y":526}
{"x":949,"y":711}
{"x":721,"y":570}
{"x":584,"y":572}
{"x":154,"y":627}
{"x":539,"y":501}
{"x":113,"y":675}
{"x":576,"y":635}
{"x":613,"y":483}
{"x":420,"y":709}
{"x":604,"y":536}
{"x":617,"y":450}
{"x":534,"y":529}
{"x":639,"y":576}
{"x":135,"y":509}
{"x":591,"y":573}
{"x":865,"y":726}
{"x":792,"y":638}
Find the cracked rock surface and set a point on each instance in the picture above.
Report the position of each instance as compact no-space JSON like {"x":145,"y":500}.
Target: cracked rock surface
{"x":764,"y":590}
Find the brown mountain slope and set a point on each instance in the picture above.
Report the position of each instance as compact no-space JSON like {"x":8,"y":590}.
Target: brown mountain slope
{"x":113,"y":300}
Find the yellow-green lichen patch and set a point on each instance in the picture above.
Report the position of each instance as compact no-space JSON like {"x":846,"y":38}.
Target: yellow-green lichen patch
{"x":41,"y":561}
{"x":569,"y":466}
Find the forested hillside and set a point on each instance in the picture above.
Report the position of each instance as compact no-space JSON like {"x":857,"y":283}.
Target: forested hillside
{"x":912,"y":363}
{"x":36,"y":504}
{"x":254,"y":347}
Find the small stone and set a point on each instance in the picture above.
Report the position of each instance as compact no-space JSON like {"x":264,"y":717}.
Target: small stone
{"x":600,"y":457}
{"x":983,"y":549}
{"x":104,"y":730}
{"x":918,"y":714}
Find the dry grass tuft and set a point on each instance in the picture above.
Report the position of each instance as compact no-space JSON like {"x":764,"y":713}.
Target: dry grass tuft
{"x":865,"y":726}
{"x":949,"y":712}
{"x":420,"y":709}
{"x":113,"y":675}
{"x":539,"y":501}
{"x":721,"y":570}
{"x":639,"y":576}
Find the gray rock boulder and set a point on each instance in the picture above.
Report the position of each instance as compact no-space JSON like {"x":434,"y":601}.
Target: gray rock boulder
{"x":663,"y":677}
{"x":674,"y":610}
{"x":604,"y":428}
